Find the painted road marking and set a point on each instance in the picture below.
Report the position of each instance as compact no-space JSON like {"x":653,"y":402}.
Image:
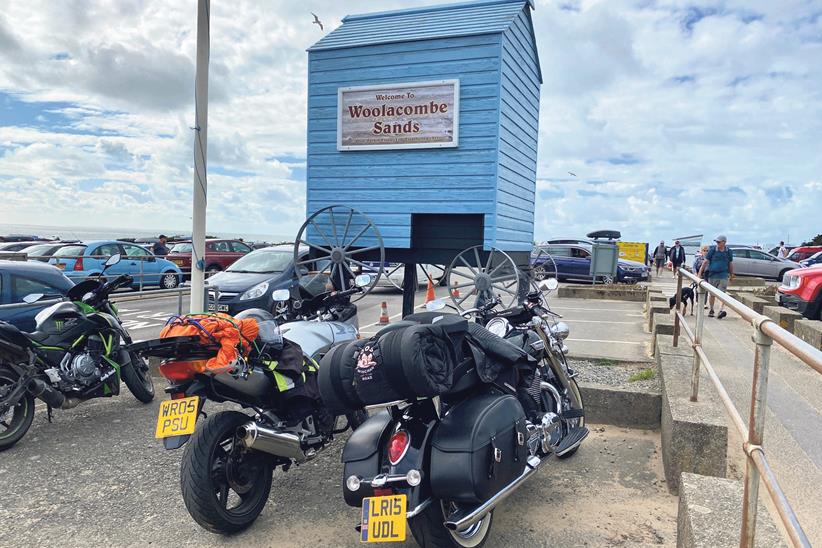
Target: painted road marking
{"x":596,"y":321}
{"x":603,"y":341}
{"x":594,"y":309}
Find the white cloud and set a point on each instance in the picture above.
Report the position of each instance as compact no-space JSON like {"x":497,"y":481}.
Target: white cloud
{"x":676,"y":116}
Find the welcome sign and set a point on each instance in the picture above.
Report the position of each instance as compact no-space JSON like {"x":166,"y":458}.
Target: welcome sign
{"x":396,"y":116}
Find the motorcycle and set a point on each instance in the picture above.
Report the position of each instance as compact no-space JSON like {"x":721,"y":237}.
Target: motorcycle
{"x":440,"y":465}
{"x":79,"y":351}
{"x":228,"y":462}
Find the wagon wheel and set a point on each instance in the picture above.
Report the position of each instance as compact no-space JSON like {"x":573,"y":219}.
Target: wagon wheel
{"x":337,"y":236}
{"x":437,"y":273}
{"x":544,"y":266}
{"x":392,"y":269}
{"x":477,"y":281}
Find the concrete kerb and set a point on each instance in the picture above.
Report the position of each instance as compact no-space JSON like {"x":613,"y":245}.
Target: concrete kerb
{"x":809,"y":331}
{"x":607,"y":292}
{"x":621,"y":406}
{"x":752,"y":301}
{"x":782,"y":316}
{"x":710,"y":515}
{"x":694,"y":434}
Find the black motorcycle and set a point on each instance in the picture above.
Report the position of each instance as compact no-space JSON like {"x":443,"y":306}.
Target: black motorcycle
{"x":79,"y":351}
{"x":226,"y":468}
{"x":477,"y":409}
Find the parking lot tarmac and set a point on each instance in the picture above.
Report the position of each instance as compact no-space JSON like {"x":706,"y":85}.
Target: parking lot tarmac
{"x":97,"y":477}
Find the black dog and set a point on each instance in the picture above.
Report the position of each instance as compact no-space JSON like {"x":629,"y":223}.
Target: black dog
{"x":687,"y":294}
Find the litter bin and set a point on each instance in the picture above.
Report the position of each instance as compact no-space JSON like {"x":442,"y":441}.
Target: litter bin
{"x":604,"y":255}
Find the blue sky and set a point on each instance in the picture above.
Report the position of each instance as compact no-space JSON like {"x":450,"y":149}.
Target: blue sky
{"x":676,"y":117}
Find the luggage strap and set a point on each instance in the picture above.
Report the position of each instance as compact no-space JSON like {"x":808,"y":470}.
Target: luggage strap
{"x":496,"y":456}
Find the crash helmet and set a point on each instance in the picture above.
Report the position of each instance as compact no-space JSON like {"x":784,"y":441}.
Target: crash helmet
{"x":269,"y":334}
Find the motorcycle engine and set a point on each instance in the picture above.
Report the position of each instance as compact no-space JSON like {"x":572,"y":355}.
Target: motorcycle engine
{"x":84,"y":368}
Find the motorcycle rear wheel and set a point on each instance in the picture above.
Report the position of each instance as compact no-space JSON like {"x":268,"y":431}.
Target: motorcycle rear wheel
{"x":137,"y":377}
{"x":575,"y":422}
{"x":223,"y":492}
{"x":16,"y":420}
{"x":429,"y":532}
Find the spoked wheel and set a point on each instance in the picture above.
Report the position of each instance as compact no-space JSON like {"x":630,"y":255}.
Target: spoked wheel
{"x":224,"y":487}
{"x":391,"y":273}
{"x":429,"y":531}
{"x":544,"y":266}
{"x":476,"y":281}
{"x":338,"y":237}
{"x":16,"y":419}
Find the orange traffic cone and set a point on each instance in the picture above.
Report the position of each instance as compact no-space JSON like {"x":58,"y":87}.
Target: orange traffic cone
{"x":456,"y":291}
{"x":384,"y":319}
{"x":429,"y":294}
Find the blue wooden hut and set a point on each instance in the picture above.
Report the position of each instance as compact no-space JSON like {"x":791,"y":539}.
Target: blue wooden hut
{"x":426,"y":119}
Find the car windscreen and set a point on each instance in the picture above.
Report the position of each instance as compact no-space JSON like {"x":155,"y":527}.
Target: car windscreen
{"x":262,"y":262}
{"x":70,"y":251}
{"x":181,"y":248}
{"x":37,"y":250}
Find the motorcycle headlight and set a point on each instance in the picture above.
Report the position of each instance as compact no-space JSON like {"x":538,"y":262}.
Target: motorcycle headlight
{"x":255,"y":292}
{"x":560,"y":330}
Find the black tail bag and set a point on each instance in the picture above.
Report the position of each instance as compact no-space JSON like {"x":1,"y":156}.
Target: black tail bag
{"x":478,"y":448}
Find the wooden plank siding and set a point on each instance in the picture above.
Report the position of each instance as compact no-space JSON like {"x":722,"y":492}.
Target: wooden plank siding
{"x":390,"y":185}
{"x":519,"y":130}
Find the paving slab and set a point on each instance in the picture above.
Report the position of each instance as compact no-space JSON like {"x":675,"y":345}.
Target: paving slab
{"x":782,"y":316}
{"x":809,"y":331}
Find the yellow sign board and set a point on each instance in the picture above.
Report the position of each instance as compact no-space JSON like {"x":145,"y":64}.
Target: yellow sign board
{"x":383,"y":519}
{"x":177,"y":417}
{"x":633,"y":251}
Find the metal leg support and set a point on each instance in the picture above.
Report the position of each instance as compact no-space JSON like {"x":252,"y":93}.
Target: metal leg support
{"x":701,"y":299}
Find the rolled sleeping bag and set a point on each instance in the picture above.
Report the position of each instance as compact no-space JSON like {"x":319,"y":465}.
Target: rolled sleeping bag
{"x":336,"y":378}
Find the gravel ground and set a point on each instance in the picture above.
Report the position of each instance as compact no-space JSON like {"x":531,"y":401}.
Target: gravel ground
{"x":611,"y":373}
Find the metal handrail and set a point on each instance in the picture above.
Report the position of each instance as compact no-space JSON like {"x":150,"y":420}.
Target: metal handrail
{"x":766,"y":331}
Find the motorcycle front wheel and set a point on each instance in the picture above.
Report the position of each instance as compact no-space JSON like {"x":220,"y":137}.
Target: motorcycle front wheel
{"x":429,"y":532}
{"x":137,"y":377}
{"x":224,"y":489}
{"x":16,"y":419}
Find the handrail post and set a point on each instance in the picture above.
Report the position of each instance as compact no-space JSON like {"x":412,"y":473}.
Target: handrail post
{"x":677,"y":308}
{"x":701,"y":299}
{"x":756,"y":429}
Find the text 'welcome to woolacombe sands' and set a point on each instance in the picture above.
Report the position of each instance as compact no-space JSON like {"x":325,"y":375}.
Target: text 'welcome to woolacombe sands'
{"x":396,"y":116}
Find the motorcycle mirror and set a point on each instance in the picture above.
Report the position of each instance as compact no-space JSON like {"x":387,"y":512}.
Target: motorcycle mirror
{"x":113,"y":260}
{"x":549,"y":285}
{"x":32,"y":298}
{"x":281,"y":295}
{"x":362,"y":280}
{"x":436,"y":304}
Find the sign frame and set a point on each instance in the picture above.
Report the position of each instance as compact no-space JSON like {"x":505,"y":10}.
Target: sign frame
{"x":400,"y":85}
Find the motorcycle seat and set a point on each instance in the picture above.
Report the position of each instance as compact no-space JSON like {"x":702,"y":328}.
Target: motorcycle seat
{"x":37,"y":336}
{"x":12,"y":334}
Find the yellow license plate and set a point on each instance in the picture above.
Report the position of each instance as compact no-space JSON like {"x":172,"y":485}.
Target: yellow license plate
{"x":383,"y":519}
{"x":178,"y":262}
{"x":177,"y":417}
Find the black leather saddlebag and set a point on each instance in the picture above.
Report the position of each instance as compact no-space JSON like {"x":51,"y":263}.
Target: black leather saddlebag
{"x":478,"y":448}
{"x":410,"y":362}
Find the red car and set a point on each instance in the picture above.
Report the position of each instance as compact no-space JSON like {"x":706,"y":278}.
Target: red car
{"x":803,"y":252}
{"x":801,"y":290}
{"x":218,"y":256}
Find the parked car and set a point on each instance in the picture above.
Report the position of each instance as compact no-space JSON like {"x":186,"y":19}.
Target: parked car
{"x":85,"y":260}
{"x":219,"y":255}
{"x":21,"y":278}
{"x":775,"y":250}
{"x":573,"y":262}
{"x":251,"y":280}
{"x":17,"y":246}
{"x":754,"y":262}
{"x":22,"y":238}
{"x":801,"y":290}
{"x":816,"y":258}
{"x":803,"y":252}
{"x":42,"y":252}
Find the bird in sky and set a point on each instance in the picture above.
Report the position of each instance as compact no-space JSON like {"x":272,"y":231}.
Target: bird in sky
{"x":317,"y":21}
{"x":571,"y":173}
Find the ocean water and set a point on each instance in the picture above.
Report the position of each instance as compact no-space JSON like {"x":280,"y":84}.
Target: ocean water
{"x":102,"y":233}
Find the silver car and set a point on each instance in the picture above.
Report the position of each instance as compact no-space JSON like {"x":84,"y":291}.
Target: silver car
{"x":755,"y":262}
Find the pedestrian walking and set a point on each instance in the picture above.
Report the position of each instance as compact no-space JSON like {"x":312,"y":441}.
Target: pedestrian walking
{"x":719,"y":265}
{"x":677,"y":254}
{"x":659,"y":256}
{"x":783,"y":251}
{"x":700,"y":258}
{"x":160,"y":248}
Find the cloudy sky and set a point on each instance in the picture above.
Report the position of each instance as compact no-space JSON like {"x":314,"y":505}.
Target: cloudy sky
{"x":677,"y":117}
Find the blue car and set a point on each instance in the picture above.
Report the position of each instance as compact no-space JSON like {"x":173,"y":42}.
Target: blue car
{"x":816,"y":258}
{"x":21,"y":278}
{"x":573,"y":262}
{"x":85,"y":260}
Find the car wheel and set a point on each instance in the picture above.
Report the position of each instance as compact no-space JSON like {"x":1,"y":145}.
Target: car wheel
{"x":169,"y":280}
{"x":212,"y":270}
{"x":782,"y":274}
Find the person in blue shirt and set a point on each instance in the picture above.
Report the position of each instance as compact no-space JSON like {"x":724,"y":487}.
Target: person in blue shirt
{"x":719,"y":265}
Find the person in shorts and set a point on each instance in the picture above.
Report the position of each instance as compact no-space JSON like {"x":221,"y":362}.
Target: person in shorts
{"x":659,"y":256}
{"x":719,"y":266}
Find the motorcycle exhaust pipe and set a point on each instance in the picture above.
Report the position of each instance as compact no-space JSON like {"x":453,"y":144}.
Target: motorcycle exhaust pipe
{"x":39,"y":389}
{"x":463,"y":519}
{"x":255,"y":436}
